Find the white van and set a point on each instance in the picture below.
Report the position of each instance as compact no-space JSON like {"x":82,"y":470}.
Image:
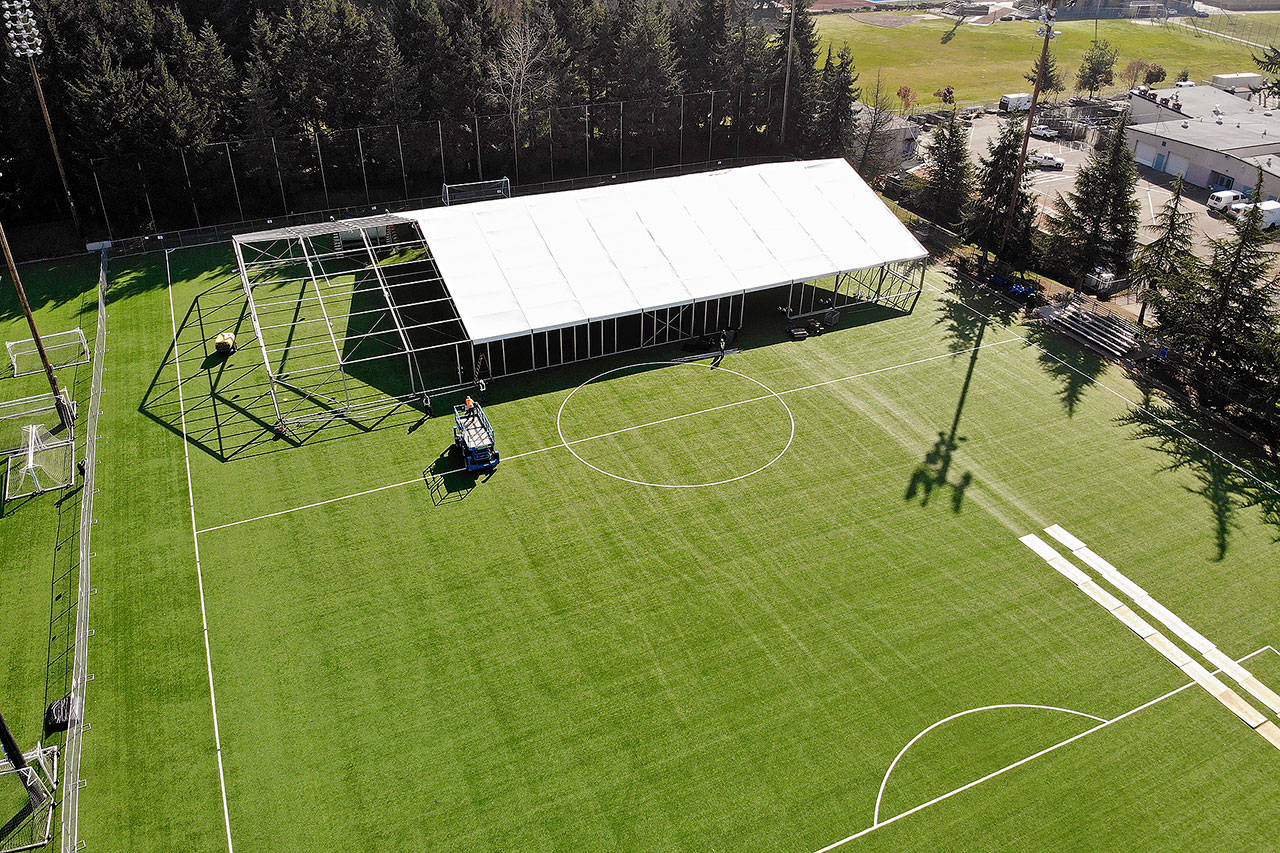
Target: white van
{"x":1223,"y":199}
{"x":1269,"y":210}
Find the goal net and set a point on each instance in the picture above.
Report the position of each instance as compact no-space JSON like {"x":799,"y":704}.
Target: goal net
{"x":26,"y":800}
{"x":42,"y":464}
{"x":476,"y":191}
{"x":65,"y":349}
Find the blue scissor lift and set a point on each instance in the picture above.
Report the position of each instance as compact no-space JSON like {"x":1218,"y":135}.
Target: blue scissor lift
{"x":474,"y":436}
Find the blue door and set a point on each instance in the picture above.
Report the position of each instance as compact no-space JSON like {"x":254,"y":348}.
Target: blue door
{"x":1160,"y":161}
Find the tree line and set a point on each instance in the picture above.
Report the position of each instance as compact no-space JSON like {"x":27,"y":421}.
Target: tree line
{"x":134,"y":81}
{"x":1215,"y":310}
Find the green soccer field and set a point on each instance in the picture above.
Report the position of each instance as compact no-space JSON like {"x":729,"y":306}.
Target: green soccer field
{"x":763,"y":607}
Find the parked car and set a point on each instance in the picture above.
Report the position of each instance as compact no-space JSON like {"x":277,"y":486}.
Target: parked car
{"x":1043,"y":131}
{"x":1185,"y":84}
{"x":1006,"y":17}
{"x":1270,"y":211}
{"x":1222,"y":200}
{"x":1047,"y":161}
{"x":1199,"y":13}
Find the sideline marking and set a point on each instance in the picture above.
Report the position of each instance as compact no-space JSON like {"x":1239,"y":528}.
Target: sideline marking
{"x":568,"y":445}
{"x":514,"y":456}
{"x":1023,"y":761}
{"x":195,"y":537}
{"x":1106,"y":387}
{"x":884,"y":783}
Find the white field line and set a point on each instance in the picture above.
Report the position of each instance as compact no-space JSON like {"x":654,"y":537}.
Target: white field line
{"x":1166,"y":617}
{"x":1106,"y":387}
{"x":195,"y":538}
{"x":884,"y":783}
{"x":632,"y":428}
{"x":1023,"y":761}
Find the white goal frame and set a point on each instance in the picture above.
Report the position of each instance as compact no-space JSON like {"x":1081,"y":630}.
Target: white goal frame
{"x":41,"y":781}
{"x":44,"y":464}
{"x":65,"y":349}
{"x":475,"y":191}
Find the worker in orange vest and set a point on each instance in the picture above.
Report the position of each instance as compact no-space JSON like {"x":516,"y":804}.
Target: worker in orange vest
{"x":471,"y":406}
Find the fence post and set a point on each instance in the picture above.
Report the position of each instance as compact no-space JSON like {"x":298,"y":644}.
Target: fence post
{"x":275,"y":154}
{"x":101,"y":201}
{"x":235,"y":185}
{"x":551,"y":141}
{"x":681,"y":160}
{"x":320,"y":157}
{"x":191,"y":193}
{"x":479,"y":160}
{"x":364,"y":176}
{"x":404,"y":177}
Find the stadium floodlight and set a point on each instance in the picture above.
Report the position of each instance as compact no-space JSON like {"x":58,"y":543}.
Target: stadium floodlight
{"x":26,"y":43}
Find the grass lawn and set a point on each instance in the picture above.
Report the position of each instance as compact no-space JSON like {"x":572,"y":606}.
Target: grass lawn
{"x":986,"y":62}
{"x":404,"y":658}
{"x":1260,"y":27}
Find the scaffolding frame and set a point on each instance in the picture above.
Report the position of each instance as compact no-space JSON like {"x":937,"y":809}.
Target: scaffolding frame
{"x":896,"y":286}
{"x":331,"y":300}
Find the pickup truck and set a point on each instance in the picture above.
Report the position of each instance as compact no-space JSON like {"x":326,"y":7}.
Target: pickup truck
{"x":1043,"y":131}
{"x":1046,"y":161}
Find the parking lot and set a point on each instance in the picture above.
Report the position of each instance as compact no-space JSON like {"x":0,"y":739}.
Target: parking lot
{"x":1153,"y":188}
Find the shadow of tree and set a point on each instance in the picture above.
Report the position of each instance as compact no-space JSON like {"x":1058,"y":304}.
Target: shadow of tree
{"x":967,"y":308}
{"x":1227,"y":487}
{"x":951,"y":33}
{"x":1072,"y":365}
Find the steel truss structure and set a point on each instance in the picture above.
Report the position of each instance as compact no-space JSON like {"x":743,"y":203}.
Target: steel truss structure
{"x":895,"y":286}
{"x":350,"y":317}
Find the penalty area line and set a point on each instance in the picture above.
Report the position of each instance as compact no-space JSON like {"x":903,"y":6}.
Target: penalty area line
{"x":873,"y":827}
{"x":564,"y":444}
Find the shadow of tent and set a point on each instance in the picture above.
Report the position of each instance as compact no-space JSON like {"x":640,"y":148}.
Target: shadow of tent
{"x":1228,"y":486}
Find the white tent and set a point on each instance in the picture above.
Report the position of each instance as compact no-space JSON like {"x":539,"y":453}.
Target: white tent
{"x":534,"y":263}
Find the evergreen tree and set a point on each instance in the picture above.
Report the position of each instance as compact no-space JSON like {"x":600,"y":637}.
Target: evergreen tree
{"x":259,"y":98}
{"x":1226,"y":318}
{"x":475,"y":31}
{"x":1051,"y":82}
{"x":834,"y":126}
{"x":424,"y":42}
{"x":396,"y":95}
{"x":105,"y":104}
{"x":802,"y":97}
{"x":1096,"y":224}
{"x":213,"y":81}
{"x":701,"y":37}
{"x":1170,"y":256}
{"x":647,"y":67}
{"x":1097,"y":67}
{"x":948,"y":182}
{"x":999,"y":219}
{"x":169,"y":114}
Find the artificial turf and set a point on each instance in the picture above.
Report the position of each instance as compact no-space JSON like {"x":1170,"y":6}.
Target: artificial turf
{"x":552,"y":657}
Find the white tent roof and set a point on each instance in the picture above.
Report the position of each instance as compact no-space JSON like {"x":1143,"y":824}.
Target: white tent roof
{"x":539,"y":262}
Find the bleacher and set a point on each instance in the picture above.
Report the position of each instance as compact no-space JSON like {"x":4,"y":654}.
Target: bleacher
{"x":1093,"y":325}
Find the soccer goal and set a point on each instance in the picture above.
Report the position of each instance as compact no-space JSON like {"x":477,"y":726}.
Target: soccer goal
{"x":27,"y":801}
{"x":476,"y":191}
{"x":65,"y":349}
{"x":45,"y":462}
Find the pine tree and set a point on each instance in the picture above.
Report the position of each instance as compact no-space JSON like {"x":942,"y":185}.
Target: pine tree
{"x":997,"y":209}
{"x":1096,"y":223}
{"x":1051,"y":83}
{"x":424,"y":43}
{"x":1170,"y":256}
{"x":701,"y":36}
{"x":949,"y":180}
{"x":647,"y":67}
{"x":834,"y":126}
{"x":396,"y":95}
{"x":802,"y":96}
{"x":213,"y":81}
{"x":1225,"y":318}
{"x":259,"y":98}
{"x":105,"y":104}
{"x":1097,"y":67}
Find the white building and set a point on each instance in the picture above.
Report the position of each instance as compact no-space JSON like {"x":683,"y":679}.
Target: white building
{"x":1213,"y":139}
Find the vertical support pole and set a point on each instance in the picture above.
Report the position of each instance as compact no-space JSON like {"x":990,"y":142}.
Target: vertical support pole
{"x":275,"y":155}
{"x":53,"y":143}
{"x":324,"y":182}
{"x":146,"y":193}
{"x":475,"y":123}
{"x":786,"y":85}
{"x":621,"y":139}
{"x":191,"y":193}
{"x":231,"y":167}
{"x":711,"y":128}
{"x":444,"y":173}
{"x":363,"y":174}
{"x":586,"y":135}
{"x":102,"y":203}
{"x":681,"y":160}
{"x":551,"y":142}
{"x":404,"y":176}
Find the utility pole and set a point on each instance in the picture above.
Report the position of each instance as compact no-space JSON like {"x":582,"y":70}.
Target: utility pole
{"x":1047,"y":13}
{"x":64,"y":409}
{"x":26,"y":43}
{"x":786,"y":81}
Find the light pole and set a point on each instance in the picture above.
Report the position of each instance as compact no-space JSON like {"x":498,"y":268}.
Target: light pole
{"x":26,"y":43}
{"x":64,"y":409}
{"x":786,"y":85}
